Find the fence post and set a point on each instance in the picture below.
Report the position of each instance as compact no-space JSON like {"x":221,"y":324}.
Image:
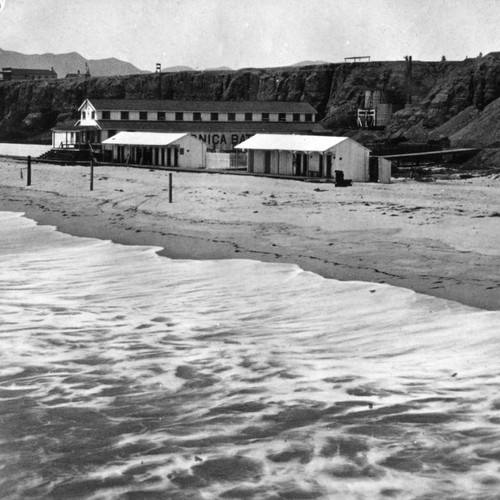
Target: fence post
{"x":92,"y":174}
{"x":29,"y":171}
{"x":170,"y":188}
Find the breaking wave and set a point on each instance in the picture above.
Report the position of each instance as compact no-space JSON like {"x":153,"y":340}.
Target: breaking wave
{"x":125,"y":375}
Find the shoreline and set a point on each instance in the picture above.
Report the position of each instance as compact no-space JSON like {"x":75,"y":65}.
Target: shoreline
{"x":437,"y":239}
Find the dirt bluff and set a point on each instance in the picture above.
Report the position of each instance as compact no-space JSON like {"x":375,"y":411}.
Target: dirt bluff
{"x":456,"y":99}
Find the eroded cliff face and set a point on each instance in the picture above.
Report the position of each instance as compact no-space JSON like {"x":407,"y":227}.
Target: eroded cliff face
{"x":441,"y":92}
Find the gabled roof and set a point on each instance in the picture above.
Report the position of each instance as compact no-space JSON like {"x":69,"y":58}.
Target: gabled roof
{"x":213,"y":127}
{"x":290,"y":142}
{"x":69,"y":126}
{"x":202,"y":106}
{"x":144,"y":138}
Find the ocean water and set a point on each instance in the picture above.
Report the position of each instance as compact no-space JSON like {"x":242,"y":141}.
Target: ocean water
{"x":125,"y":375}
{"x":15,"y":149}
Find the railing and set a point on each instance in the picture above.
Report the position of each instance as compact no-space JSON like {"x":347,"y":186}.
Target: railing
{"x":226,"y":160}
{"x":218,"y":161}
{"x":81,"y":145}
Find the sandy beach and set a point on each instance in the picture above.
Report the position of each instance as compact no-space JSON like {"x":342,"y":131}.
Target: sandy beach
{"x":440,"y":238}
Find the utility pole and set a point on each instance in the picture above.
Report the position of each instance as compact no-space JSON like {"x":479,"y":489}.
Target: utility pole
{"x":158,"y":72}
{"x":408,"y":79}
{"x":29,"y":171}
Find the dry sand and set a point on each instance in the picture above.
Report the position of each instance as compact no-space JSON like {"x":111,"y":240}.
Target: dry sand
{"x":440,"y":238}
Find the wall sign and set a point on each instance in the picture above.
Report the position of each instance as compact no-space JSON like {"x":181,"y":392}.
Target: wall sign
{"x":222,"y":140}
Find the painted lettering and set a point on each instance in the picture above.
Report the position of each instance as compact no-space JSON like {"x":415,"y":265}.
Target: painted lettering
{"x":215,"y":139}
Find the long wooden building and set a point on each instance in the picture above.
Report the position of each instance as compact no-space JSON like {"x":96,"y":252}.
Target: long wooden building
{"x":8,"y":74}
{"x":220,"y":124}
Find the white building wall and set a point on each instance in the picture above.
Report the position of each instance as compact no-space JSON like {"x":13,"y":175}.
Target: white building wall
{"x":352,"y":159}
{"x":286,"y":163}
{"x":88,"y":114}
{"x":194,"y":152}
{"x":384,"y":171}
{"x":66,"y":138}
{"x":275,"y":163}
{"x":313,"y":162}
{"x":258,"y":162}
{"x":219,"y":161}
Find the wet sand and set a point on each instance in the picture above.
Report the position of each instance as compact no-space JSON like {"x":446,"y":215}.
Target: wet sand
{"x":440,"y":238}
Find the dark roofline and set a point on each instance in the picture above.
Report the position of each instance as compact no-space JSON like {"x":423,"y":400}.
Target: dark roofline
{"x":72,"y":126}
{"x":202,"y":106}
{"x":28,"y":70}
{"x":213,"y":127}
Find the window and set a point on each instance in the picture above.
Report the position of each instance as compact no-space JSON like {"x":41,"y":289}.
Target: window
{"x":282,"y":117}
{"x":179,"y":116}
{"x":296,"y":117}
{"x":309,"y":117}
{"x":93,"y":115}
{"x":83,"y":115}
{"x":105,"y":115}
{"x":231,"y":117}
{"x":197,"y":117}
{"x":214,"y":117}
{"x":111,"y":133}
{"x":124,"y":115}
{"x":143,"y":115}
{"x":265,"y":117}
{"x":248,"y":117}
{"x":161,"y":115}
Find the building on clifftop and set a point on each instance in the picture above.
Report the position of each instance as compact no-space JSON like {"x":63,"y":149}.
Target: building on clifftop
{"x":28,"y":74}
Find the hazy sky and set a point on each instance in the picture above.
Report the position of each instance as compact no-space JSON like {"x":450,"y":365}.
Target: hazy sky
{"x":243,"y":33}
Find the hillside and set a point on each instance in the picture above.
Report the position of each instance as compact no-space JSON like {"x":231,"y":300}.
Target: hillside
{"x":453,"y":99}
{"x":67,"y":63}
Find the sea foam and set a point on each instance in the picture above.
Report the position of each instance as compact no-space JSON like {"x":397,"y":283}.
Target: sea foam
{"x":123,"y":373}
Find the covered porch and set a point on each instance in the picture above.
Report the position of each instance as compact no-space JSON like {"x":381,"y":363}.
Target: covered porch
{"x":76,"y":136}
{"x":156,"y":149}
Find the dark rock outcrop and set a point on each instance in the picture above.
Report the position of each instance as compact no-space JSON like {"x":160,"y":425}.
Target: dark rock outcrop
{"x":447,"y":96}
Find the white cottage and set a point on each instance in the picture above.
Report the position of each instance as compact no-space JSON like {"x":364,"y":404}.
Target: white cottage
{"x":307,"y":156}
{"x":157,"y":148}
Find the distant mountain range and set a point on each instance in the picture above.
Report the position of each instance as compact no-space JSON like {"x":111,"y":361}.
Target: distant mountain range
{"x":67,"y":63}
{"x":73,"y":62}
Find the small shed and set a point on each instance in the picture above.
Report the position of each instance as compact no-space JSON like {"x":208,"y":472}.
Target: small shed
{"x":157,"y":149}
{"x":307,"y":156}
